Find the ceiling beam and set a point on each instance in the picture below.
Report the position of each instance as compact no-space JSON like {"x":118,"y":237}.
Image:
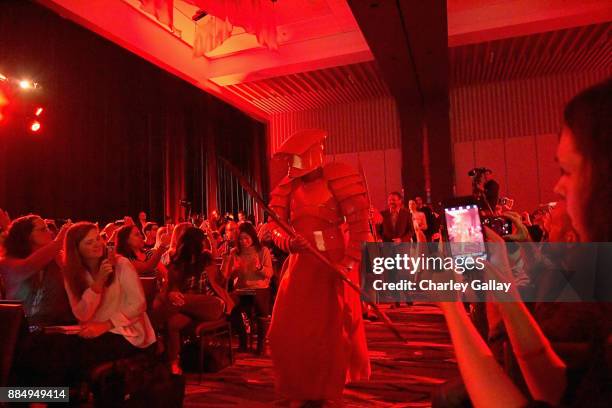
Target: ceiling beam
{"x":409,"y":40}
{"x":475,"y":22}
{"x":329,"y":51}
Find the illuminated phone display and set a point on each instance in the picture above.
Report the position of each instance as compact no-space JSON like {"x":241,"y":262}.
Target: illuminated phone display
{"x":464,"y":230}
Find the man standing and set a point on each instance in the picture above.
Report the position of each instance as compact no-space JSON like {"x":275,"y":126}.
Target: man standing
{"x":397,"y":222}
{"x":396,"y":227}
{"x":317,"y":337}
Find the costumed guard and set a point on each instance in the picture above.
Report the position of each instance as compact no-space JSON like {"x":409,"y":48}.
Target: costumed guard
{"x":317,"y":337}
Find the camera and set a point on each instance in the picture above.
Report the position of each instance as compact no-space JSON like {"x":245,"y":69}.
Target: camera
{"x":506,"y":202}
{"x":500,"y":225}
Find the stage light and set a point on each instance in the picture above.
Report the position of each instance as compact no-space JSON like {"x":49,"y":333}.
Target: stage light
{"x":3,"y":78}
{"x":35,"y":126}
{"x":25,"y":84}
{"x":39,"y":110}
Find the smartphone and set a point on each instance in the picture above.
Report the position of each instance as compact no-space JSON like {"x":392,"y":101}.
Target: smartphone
{"x":109,"y":253}
{"x":464,"y":231}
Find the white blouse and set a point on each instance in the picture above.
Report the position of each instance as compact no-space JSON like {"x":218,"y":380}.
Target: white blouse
{"x":123,"y":303}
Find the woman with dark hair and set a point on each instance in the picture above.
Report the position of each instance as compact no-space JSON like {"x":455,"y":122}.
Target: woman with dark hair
{"x":31,"y":272}
{"x":177,"y":232}
{"x":193,"y":291}
{"x":130,"y":243}
{"x":585,"y":157}
{"x":106,"y":297}
{"x":249,"y":263}
{"x":249,"y":267}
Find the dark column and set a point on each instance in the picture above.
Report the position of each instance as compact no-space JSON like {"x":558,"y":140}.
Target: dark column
{"x":409,"y":40}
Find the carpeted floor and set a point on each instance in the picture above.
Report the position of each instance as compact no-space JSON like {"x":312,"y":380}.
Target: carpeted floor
{"x":403,"y":375}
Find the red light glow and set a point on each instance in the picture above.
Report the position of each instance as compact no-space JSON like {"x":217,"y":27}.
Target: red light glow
{"x":39,"y":110}
{"x":35,"y":126}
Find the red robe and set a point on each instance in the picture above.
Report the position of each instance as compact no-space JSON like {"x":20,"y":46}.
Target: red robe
{"x":317,"y":337}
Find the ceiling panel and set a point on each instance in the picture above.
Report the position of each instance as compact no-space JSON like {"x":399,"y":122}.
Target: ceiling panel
{"x":580,"y":49}
{"x":314,"y":89}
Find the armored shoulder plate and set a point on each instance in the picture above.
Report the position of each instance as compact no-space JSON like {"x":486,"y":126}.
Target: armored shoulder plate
{"x":344,"y":181}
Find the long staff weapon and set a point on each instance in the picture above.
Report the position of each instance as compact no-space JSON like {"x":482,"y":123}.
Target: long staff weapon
{"x":282,"y":224}
{"x":370,"y":216}
{"x":370,"y":219}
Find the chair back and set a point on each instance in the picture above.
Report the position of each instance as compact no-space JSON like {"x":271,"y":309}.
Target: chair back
{"x":149,"y":285}
{"x":12,"y":321}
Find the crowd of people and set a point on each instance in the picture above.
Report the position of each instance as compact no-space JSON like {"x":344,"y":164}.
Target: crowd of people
{"x":82,"y":274}
{"x":85,"y":278}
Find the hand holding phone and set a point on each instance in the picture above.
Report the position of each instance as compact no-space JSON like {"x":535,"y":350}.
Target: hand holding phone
{"x":111,"y":259}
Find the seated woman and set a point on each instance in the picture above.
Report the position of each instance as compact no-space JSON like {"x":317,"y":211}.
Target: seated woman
{"x":130,"y":243}
{"x":249,"y":266}
{"x":177,"y":232}
{"x":193,"y":291}
{"x":31,"y":273}
{"x":106,"y":297}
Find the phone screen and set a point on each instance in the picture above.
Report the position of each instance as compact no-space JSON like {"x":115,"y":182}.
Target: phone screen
{"x":464,"y":230}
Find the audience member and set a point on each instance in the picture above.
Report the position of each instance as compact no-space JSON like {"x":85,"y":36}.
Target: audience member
{"x":229,"y":239}
{"x":250,"y":266}
{"x":130,"y":244}
{"x":150,"y":234}
{"x":215,"y":221}
{"x":31,"y":272}
{"x":177,"y":232}
{"x":397,"y":222}
{"x":106,"y":297}
{"x":429,"y":217}
{"x":142,"y":220}
{"x":419,"y":222}
{"x":194,"y":292}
